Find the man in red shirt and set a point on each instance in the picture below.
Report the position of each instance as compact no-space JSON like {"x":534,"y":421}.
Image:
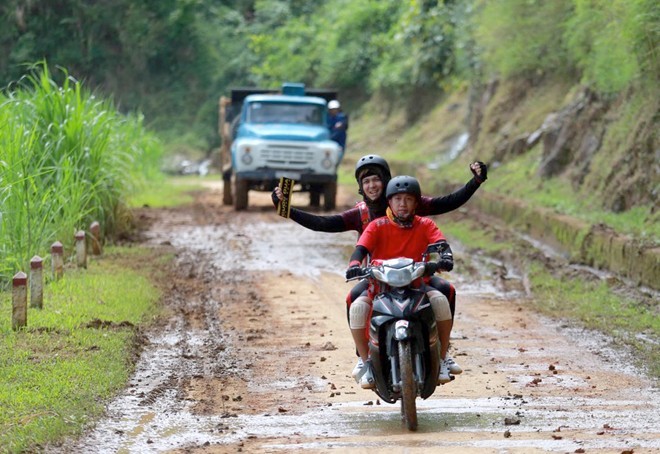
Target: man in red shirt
{"x":399,"y":234}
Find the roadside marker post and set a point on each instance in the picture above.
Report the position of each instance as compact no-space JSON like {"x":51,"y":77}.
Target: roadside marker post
{"x":36,"y":282}
{"x":81,"y":250}
{"x":19,"y":301}
{"x":57,"y":260}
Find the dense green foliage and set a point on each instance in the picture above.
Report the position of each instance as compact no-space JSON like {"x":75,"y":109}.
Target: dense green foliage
{"x":616,"y":42}
{"x":66,"y":159}
{"x":173,"y":58}
{"x":367,"y":46}
{"x":148,"y":54}
{"x":612,"y":44}
{"x":522,"y":37}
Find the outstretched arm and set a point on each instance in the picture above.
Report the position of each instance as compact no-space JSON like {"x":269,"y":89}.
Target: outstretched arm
{"x":333,"y":223}
{"x":447,"y":203}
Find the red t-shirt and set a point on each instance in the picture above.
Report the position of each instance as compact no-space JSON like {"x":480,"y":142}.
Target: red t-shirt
{"x":384,"y":239}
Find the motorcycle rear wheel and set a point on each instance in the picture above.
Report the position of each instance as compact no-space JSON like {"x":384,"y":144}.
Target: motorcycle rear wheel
{"x":408,"y":386}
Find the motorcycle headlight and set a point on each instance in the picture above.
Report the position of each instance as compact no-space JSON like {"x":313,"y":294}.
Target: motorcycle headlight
{"x":398,"y":277}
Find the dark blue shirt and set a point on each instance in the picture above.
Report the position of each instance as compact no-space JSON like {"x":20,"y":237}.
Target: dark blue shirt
{"x":338,"y":124}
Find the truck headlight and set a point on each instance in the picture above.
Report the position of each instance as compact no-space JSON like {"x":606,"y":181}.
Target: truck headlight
{"x":247,"y":157}
{"x":327,"y":162}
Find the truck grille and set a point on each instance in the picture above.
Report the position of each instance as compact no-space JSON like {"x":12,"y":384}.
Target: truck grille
{"x":290,"y":156}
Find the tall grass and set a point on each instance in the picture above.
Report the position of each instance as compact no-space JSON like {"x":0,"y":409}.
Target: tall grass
{"x":66,"y":158}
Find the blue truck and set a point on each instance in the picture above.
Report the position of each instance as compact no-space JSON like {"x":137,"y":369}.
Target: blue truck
{"x":269,"y":134}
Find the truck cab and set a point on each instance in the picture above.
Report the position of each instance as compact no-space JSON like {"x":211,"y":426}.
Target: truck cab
{"x":283,"y":134}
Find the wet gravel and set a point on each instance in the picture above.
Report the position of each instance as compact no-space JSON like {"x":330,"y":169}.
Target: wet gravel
{"x":218,"y":259}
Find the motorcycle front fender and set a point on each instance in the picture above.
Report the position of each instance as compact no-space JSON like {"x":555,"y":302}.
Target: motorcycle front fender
{"x":433,"y":369}
{"x":379,"y":355}
{"x":402,"y":330}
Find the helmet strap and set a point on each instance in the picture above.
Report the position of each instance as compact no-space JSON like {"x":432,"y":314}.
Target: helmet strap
{"x":403,"y":223}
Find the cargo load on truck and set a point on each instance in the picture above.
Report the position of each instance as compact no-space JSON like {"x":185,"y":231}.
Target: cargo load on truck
{"x":269,"y":134}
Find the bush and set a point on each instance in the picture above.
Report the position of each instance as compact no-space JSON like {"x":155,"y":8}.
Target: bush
{"x":612,"y":41}
{"x":522,"y":37}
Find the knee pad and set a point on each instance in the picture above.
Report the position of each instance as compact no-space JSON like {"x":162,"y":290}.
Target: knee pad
{"x":440,"y":305}
{"x":358,"y":313}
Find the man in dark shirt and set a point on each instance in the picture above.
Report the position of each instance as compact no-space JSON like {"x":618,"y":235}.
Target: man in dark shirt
{"x":337,"y":123}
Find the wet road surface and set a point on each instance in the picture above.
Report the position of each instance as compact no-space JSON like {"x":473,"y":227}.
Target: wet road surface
{"x":254,"y":355}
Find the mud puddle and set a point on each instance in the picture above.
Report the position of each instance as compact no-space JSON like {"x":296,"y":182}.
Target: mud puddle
{"x":255,"y":356}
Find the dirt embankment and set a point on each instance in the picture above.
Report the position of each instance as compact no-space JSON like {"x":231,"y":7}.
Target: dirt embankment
{"x":599,"y":145}
{"x":591,"y":245}
{"x":254,"y":355}
{"x":604,"y":148}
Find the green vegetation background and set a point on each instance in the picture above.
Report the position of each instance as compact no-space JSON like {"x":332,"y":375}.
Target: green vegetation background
{"x":171,"y":59}
{"x":121,"y":83}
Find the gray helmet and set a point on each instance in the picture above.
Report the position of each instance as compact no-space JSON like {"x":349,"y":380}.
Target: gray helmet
{"x":403,"y":184}
{"x":373,"y":160}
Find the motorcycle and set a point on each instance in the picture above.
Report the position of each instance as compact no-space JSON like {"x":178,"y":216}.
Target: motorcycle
{"x":404,"y":349}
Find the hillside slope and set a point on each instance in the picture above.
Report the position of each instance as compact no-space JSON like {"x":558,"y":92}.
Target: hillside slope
{"x":568,"y":166}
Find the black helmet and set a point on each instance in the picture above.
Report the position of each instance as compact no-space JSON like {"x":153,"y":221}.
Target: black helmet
{"x":373,"y":160}
{"x":403,"y":184}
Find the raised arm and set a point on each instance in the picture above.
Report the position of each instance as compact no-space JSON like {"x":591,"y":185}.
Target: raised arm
{"x":447,"y":203}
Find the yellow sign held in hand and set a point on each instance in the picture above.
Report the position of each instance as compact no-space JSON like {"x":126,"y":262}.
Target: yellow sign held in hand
{"x":284,"y":207}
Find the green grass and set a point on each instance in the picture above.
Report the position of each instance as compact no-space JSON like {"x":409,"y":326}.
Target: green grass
{"x":410,"y":149}
{"x":473,"y":238}
{"x":518,"y":179}
{"x":169,"y":191}
{"x":597,"y":307}
{"x":56,"y":373}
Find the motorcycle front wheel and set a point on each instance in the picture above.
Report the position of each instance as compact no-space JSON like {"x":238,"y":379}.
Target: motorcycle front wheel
{"x":408,"y":386}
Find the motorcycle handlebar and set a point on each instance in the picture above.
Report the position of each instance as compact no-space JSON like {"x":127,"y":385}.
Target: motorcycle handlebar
{"x":364,"y":272}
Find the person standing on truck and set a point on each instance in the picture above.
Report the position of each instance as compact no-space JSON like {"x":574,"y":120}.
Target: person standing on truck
{"x":372,"y":173}
{"x":337,"y":123}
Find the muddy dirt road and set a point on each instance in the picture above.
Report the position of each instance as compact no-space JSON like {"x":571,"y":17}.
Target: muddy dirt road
{"x":254,"y":355}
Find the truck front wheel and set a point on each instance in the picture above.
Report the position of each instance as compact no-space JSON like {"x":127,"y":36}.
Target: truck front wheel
{"x":314,"y":197}
{"x":240,"y":194}
{"x":227,"y":198}
{"x":330,"y":196}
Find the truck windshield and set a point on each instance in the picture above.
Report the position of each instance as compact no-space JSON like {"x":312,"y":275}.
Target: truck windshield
{"x":280,"y":112}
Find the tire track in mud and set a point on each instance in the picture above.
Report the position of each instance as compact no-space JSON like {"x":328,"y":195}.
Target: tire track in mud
{"x":251,"y":357}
